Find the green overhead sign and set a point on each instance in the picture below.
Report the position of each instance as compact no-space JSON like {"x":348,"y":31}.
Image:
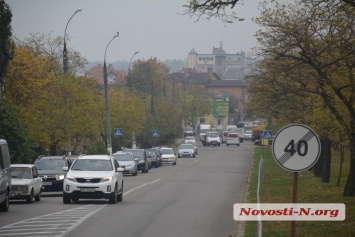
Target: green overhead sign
{"x":221,"y":104}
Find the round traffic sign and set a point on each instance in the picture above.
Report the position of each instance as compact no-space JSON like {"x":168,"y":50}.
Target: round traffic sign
{"x":296,"y":147}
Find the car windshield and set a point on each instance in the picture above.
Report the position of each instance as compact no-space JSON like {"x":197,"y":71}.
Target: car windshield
{"x":232,"y":135}
{"x":50,"y":164}
{"x":137,"y":154}
{"x":190,"y":138}
{"x":21,"y":173}
{"x":92,"y":165}
{"x":212,"y":134}
{"x":186,"y":146}
{"x":123,"y":157}
{"x":166,"y":151}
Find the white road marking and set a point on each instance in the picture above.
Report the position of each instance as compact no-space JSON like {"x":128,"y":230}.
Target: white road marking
{"x":56,"y":224}
{"x":125,"y":193}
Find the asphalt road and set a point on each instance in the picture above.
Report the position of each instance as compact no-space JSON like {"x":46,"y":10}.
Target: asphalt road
{"x":193,"y":198}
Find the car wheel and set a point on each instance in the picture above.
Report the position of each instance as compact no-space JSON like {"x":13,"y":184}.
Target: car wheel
{"x":120,"y":195}
{"x":4,"y":206}
{"x":135,"y":173}
{"x":30,"y":198}
{"x":156,"y":164}
{"x":147,"y":170}
{"x":174,"y":163}
{"x":66,"y":198}
{"x":226,"y":144}
{"x":113,"y":196}
{"x":38,"y":197}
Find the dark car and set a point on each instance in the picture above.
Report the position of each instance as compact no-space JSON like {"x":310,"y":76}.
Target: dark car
{"x":142,"y":163}
{"x":50,"y":169}
{"x":154,"y":157}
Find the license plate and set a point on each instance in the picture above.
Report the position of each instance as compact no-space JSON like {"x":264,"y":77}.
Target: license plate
{"x":47,"y":183}
{"x":87,"y":189}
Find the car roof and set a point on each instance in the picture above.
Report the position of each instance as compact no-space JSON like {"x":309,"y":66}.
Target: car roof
{"x":53,"y":157}
{"x":94,"y":157}
{"x":22,"y":165}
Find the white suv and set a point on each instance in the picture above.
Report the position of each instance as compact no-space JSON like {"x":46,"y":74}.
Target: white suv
{"x":93,"y":177}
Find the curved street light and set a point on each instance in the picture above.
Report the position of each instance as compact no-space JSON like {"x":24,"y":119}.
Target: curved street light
{"x":65,"y":53}
{"x":129,"y":69}
{"x":107,"y":108}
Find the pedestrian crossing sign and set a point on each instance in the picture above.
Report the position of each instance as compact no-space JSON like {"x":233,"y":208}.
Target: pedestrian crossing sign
{"x":118,"y":132}
{"x":155,"y":133}
{"x":266,"y":134}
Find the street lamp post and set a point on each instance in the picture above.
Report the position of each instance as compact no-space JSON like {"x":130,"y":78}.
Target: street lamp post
{"x":129,"y":69}
{"x":107,"y":108}
{"x":65,"y":68}
{"x":65,"y":53}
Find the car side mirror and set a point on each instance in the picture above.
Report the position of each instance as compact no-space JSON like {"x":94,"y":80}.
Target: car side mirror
{"x":120,"y":169}
{"x":136,"y":159}
{"x":65,"y":168}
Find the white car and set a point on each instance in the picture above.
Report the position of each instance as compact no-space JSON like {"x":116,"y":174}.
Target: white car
{"x":93,"y":177}
{"x":26,"y":184}
{"x":168,"y":155}
{"x":247,"y":135}
{"x":233,"y":139}
{"x":127,"y":161}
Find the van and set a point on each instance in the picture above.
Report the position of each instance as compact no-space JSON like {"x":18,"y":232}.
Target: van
{"x":5,"y":176}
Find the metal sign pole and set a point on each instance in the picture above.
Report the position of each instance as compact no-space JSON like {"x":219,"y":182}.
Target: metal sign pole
{"x":294,"y":200}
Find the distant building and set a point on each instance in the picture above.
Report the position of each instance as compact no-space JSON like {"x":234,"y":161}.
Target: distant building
{"x":114,"y":77}
{"x":214,"y":85}
{"x":226,"y":66}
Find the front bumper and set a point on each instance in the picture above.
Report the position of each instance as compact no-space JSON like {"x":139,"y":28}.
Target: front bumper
{"x":51,"y":184}
{"x":129,"y":170}
{"x":19,"y":194}
{"x":168,"y":160}
{"x":88,"y":190}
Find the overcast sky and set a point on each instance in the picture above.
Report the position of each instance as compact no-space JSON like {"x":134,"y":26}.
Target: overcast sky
{"x":155,"y":28}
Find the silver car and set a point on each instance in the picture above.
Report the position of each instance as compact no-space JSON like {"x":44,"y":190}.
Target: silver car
{"x":191,"y":140}
{"x":186,"y":150}
{"x":126,"y":161}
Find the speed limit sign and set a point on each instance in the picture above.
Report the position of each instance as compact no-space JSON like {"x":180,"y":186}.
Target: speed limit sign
{"x":296,"y":147}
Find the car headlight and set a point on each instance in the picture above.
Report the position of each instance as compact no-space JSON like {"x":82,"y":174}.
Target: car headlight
{"x":70,"y":178}
{"x":129,"y":165}
{"x":110,"y":178}
{"x":59,"y":177}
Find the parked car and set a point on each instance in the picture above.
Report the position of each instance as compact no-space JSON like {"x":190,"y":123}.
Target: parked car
{"x":93,"y":177}
{"x":127,"y":161}
{"x":233,"y":139}
{"x":50,"y":169}
{"x":191,"y":140}
{"x":154,"y":157}
{"x":186,"y":150}
{"x":5,"y":176}
{"x":141,"y":155}
{"x":26,"y":184}
{"x":247,"y":135}
{"x":168,"y":155}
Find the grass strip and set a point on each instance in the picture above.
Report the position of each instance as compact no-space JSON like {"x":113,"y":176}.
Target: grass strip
{"x":277,"y":188}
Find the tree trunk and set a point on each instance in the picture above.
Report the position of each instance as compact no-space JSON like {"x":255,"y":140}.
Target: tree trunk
{"x":327,"y":158}
{"x":349,"y":189}
{"x":317,"y":168}
{"x":341,"y":148}
{"x":53,"y":149}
